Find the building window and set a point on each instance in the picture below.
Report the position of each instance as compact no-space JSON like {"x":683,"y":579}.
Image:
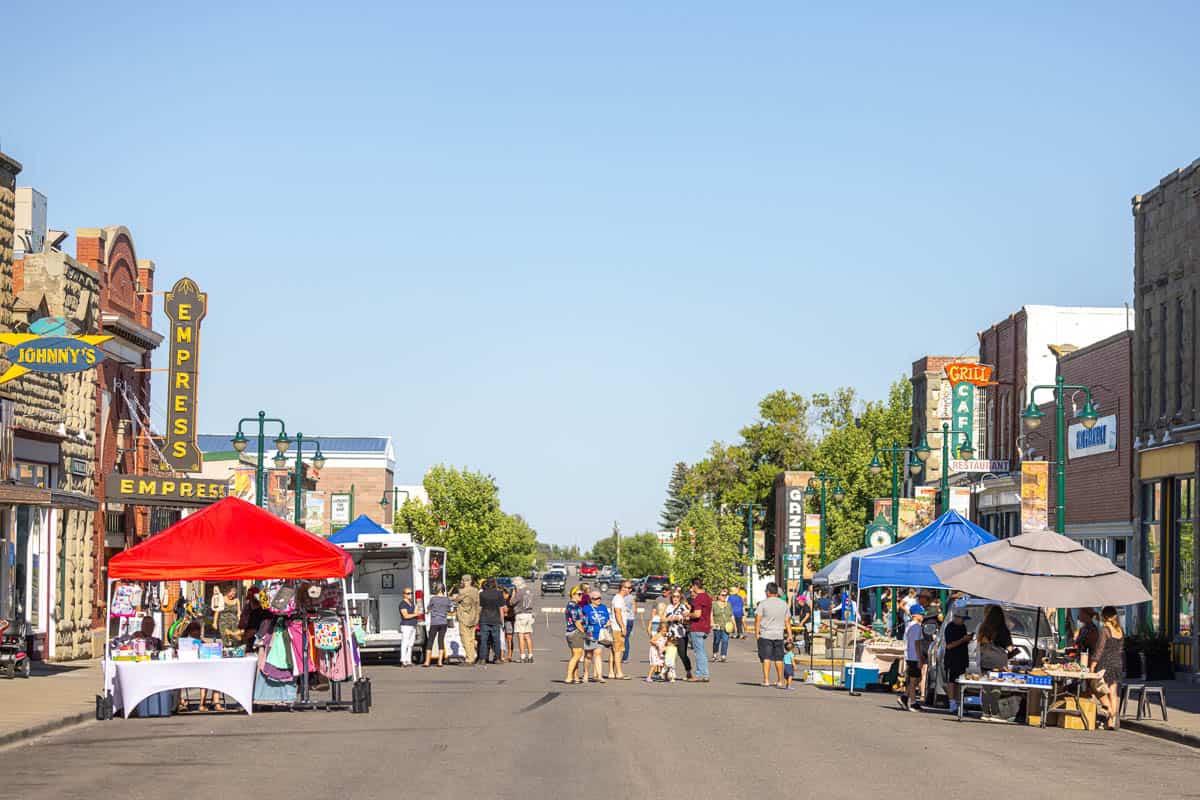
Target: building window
{"x":1179,"y":355}
{"x":1152,"y":536}
{"x":1184,"y":579}
{"x":33,"y":474}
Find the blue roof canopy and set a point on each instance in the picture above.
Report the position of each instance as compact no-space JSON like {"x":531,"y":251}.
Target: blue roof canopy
{"x":910,"y":561}
{"x":837,"y":572}
{"x":350,"y":533}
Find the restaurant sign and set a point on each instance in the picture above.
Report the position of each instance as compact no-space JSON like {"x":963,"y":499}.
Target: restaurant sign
{"x":159,"y":490}
{"x":185,"y":306}
{"x":964,"y":377}
{"x":29,"y":352}
{"x":978,"y":465}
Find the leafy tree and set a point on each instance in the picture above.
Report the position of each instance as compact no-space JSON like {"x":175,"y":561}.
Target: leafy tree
{"x":479,"y":538}
{"x":641,"y":554}
{"x":708,"y":547}
{"x":678,"y":502}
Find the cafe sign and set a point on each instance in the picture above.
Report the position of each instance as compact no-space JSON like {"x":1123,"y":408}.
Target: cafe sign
{"x":185,"y":306}
{"x":159,"y":490}
{"x":964,"y":377}
{"x":29,"y":352}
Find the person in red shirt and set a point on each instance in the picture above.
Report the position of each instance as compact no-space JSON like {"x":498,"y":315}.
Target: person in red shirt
{"x":699,"y":629}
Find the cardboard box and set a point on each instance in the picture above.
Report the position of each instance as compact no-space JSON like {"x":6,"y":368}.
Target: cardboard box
{"x":1086,"y":705}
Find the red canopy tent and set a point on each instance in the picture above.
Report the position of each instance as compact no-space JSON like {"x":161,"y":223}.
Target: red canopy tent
{"x":231,"y":540}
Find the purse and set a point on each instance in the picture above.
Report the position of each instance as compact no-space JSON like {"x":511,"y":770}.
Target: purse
{"x":729,"y":626}
{"x":606,"y":636}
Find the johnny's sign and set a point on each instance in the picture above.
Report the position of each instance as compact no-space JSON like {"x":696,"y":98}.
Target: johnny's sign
{"x":185,"y":306}
{"x":28,"y":352}
{"x":154,"y":490}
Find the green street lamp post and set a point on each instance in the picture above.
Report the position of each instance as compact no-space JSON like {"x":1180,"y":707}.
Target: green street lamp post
{"x":813,"y":491}
{"x":281,"y":445}
{"x":914,"y":467}
{"x":1088,"y":417}
{"x":318,"y":462}
{"x":751,"y":512}
{"x":392,"y":496}
{"x":965,"y":450}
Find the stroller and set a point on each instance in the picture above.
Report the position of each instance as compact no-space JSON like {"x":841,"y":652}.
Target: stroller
{"x":14,"y":657}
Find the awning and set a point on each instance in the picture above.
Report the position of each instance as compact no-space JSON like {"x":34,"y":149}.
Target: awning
{"x":22,"y":495}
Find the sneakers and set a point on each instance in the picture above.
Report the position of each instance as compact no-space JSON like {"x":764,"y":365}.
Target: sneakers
{"x":915,"y":706}
{"x":902,"y":700}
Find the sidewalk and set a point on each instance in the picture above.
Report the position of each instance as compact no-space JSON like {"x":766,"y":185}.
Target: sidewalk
{"x":1183,"y":710}
{"x":56,"y":695}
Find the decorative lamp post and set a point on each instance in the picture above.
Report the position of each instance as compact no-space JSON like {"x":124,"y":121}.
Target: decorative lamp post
{"x":281,"y":445}
{"x":914,"y":468}
{"x":318,"y":462}
{"x":751,"y":512}
{"x":966,"y":450}
{"x":392,"y":496}
{"x":813,"y":491}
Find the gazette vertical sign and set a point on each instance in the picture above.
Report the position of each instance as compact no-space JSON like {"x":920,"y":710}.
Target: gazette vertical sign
{"x":185,"y":306}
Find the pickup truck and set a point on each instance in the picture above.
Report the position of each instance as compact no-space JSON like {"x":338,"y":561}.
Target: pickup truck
{"x":588,"y":570}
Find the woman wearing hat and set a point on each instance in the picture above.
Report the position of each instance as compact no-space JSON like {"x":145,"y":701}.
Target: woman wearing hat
{"x":576,"y":635}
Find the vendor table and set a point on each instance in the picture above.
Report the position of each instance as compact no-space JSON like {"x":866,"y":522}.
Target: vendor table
{"x":137,"y":680}
{"x":1050,"y":694}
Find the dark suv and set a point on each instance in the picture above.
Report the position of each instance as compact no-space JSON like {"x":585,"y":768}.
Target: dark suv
{"x":653,"y":586}
{"x":555,"y":583}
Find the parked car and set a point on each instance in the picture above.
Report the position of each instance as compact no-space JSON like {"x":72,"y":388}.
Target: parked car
{"x":653,"y":586}
{"x":557,"y":566}
{"x":532,"y":575}
{"x":613,"y":581}
{"x":607,"y":570}
{"x":554,"y":582}
{"x":1020,"y":621}
{"x":588,"y":570}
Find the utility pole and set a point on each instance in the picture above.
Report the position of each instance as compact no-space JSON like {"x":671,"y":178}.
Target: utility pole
{"x":617,"y":534}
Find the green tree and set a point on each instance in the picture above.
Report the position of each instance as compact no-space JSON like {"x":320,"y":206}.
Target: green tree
{"x":708,"y":547}
{"x":641,"y":554}
{"x":478,"y":536}
{"x":677,"y":503}
{"x":853,"y":430}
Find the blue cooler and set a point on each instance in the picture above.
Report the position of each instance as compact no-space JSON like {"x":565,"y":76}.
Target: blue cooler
{"x":161,"y":704}
{"x":862,"y":676}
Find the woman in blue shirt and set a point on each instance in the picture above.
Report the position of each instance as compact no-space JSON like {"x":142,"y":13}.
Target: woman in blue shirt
{"x":597,"y":622}
{"x":576,"y":635}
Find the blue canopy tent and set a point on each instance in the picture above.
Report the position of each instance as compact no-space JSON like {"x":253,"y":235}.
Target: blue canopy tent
{"x":350,"y":533}
{"x":910,"y":561}
{"x":837,"y":572}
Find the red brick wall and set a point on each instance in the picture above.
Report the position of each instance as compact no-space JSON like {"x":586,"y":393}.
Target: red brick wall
{"x":1099,"y":487}
{"x":1003,"y":346}
{"x":370,"y":484}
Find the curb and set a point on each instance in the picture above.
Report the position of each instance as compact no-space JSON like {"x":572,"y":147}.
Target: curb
{"x":1158,"y":732}
{"x":45,"y":727}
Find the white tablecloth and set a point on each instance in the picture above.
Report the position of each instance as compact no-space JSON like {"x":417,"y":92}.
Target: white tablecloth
{"x":137,"y":680}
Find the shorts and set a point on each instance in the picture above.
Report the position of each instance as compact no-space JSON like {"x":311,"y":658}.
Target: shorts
{"x":770,"y":649}
{"x":788,"y":671}
{"x":913,"y":669}
{"x":954,"y":672}
{"x":576,"y":640}
{"x":508,"y":627}
{"x":524,"y":623}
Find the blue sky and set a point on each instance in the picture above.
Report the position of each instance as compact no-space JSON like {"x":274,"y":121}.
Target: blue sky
{"x":570,"y":244}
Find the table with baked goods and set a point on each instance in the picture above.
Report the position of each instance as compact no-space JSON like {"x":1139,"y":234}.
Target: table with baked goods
{"x":1051,"y":684}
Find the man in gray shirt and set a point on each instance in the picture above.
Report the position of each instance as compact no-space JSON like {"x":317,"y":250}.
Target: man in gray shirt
{"x":772,"y":628}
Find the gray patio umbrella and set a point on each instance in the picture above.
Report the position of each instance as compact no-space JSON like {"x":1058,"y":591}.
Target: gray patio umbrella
{"x":1041,"y":568}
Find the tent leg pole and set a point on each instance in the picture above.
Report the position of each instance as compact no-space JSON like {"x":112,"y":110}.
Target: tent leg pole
{"x":1037,"y":632}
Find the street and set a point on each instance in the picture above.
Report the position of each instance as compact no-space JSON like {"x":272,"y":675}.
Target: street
{"x":518,"y":731}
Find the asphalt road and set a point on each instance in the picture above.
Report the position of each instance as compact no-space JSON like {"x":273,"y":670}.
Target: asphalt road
{"x":516,"y":731}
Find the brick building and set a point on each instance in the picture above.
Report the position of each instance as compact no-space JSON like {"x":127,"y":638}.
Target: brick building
{"x":1099,"y":466}
{"x":122,"y":403}
{"x":362,"y":467}
{"x":932,"y":404}
{"x":1022,"y":351}
{"x":1166,"y":392}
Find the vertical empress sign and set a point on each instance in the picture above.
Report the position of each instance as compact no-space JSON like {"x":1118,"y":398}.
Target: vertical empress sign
{"x":185,"y":306}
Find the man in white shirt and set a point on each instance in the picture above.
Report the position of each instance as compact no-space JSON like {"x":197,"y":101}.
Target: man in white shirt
{"x":628,"y":602}
{"x":914,"y":655}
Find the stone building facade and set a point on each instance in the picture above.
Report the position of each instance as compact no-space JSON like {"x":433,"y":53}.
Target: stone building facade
{"x":931,"y":406}
{"x":1166,"y":402}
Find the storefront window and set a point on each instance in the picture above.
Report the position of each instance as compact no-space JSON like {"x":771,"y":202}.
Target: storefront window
{"x":1152,"y":536}
{"x":1185,"y":556}
{"x":32,"y":474}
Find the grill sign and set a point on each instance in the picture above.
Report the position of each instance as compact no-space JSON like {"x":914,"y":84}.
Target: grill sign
{"x":186,"y":306}
{"x":977,"y":374}
{"x":29,"y":352}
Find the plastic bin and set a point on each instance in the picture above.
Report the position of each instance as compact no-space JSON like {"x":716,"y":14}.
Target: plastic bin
{"x":157,"y":705}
